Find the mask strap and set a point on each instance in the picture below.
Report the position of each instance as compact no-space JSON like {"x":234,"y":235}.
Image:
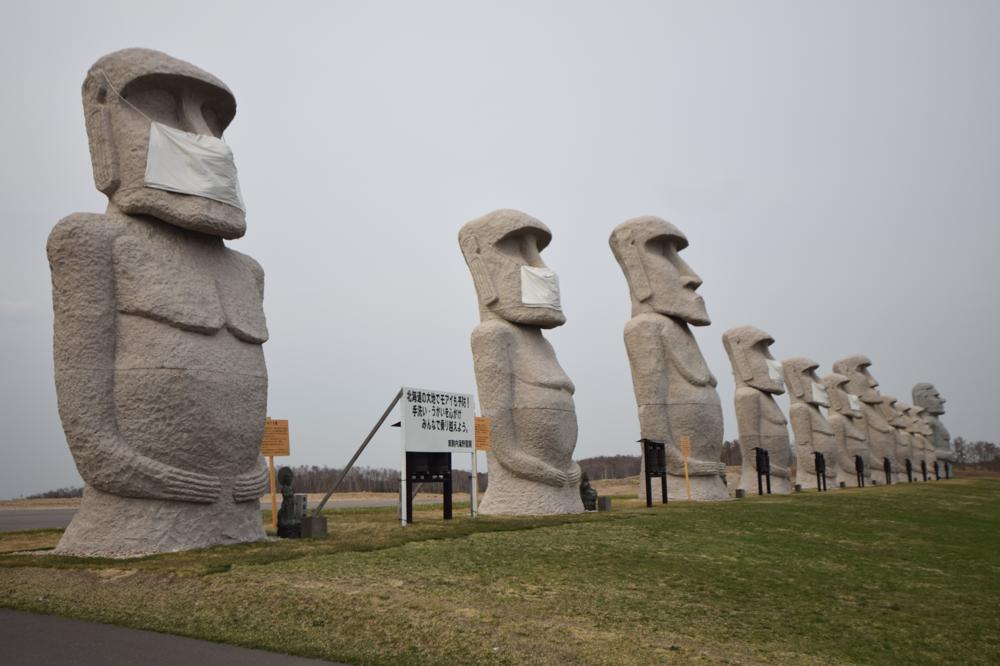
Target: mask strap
{"x":122,"y":97}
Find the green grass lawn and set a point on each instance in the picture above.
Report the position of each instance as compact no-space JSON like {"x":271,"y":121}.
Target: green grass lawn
{"x":901,"y":574}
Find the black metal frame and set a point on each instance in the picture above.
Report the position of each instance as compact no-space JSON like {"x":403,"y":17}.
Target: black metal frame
{"x":820,"y":462}
{"x":923,"y":469}
{"x":887,"y":467}
{"x":859,"y":469}
{"x":763,"y":469}
{"x":909,"y":471}
{"x":654,"y":458}
{"x":428,"y":468}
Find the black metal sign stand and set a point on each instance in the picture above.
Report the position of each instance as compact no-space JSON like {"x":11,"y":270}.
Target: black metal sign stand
{"x":654,"y":456}
{"x":937,"y":471}
{"x":820,"y":471}
{"x":887,"y":466}
{"x":859,"y":468}
{"x":947,"y":469}
{"x":428,"y":468}
{"x":923,"y":469}
{"x":763,"y":469}
{"x":909,"y":471}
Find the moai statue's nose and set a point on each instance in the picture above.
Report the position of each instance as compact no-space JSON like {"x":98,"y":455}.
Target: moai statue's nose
{"x":191,"y":114}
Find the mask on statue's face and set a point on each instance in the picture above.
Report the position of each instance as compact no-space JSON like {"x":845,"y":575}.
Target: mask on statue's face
{"x":540,"y":287}
{"x":819,"y":395}
{"x":775,"y":371}
{"x":854,"y":401}
{"x":194,"y":164}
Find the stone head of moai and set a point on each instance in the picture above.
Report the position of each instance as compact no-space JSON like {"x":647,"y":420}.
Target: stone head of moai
{"x":503,"y":252}
{"x":803,"y":383}
{"x":753,"y":365}
{"x":917,"y":423}
{"x":138,"y":103}
{"x":927,"y":397}
{"x":892,"y":410}
{"x":841,"y":400}
{"x":648,"y":251}
{"x":862,"y":383}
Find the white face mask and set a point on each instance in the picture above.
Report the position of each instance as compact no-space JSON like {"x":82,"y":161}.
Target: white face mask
{"x":540,"y":287}
{"x":854,"y":402}
{"x":193,"y":164}
{"x":775,"y":371}
{"x":819,"y":394}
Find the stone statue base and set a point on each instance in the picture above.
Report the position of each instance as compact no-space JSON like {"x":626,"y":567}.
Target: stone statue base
{"x":111,"y":526}
{"x":509,"y":495}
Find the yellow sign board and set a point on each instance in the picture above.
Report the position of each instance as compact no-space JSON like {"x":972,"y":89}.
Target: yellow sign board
{"x":685,"y":446}
{"x":275,"y":441}
{"x":484,"y":429}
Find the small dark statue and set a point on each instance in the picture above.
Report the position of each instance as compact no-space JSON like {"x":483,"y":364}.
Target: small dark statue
{"x":587,"y":493}
{"x":293,"y":507}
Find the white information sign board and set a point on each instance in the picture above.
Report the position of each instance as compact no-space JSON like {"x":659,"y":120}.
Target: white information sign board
{"x":436,"y":421}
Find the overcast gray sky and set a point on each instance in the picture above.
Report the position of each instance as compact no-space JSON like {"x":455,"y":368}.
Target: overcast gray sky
{"x":835,"y":165}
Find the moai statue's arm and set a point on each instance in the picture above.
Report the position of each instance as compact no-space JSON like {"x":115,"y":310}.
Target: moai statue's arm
{"x":647,"y":359}
{"x":83,"y":294}
{"x":748,"y":421}
{"x":839,"y":426}
{"x":491,"y":348}
{"x":251,"y":485}
{"x":801,"y":422}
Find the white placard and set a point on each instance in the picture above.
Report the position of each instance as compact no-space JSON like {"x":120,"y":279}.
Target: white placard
{"x":437,"y":421}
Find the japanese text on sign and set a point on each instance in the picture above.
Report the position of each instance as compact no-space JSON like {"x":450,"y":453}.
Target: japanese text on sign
{"x":437,"y":421}
{"x":275,"y":439}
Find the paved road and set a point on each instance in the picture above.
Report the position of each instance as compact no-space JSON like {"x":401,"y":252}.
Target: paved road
{"x":27,"y":639}
{"x":12,"y":520}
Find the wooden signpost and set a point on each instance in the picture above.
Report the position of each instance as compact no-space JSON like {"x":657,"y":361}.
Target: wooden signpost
{"x":484,"y":432}
{"x":685,"y":446}
{"x":274,"y":443}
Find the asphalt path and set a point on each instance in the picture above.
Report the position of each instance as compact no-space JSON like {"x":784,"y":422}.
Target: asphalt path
{"x":13,"y":520}
{"x":27,"y":639}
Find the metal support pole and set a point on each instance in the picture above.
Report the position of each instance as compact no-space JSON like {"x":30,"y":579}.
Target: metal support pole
{"x":760,"y":470}
{"x":357,"y":453}
{"x":474,"y":490}
{"x":767,"y":469}
{"x":447,"y":496}
{"x":663,"y":487}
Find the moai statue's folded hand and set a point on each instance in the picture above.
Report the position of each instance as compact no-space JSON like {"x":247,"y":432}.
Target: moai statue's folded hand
{"x":252,"y":485}
{"x":574,"y":475}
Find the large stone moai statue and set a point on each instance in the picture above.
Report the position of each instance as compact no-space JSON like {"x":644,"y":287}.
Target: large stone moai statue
{"x":159,"y":367}
{"x":674,"y":389}
{"x":521,"y":386}
{"x":922,"y":434}
{"x":881,"y":435}
{"x":926,"y":396}
{"x":810,"y":429}
{"x":761,"y":424}
{"x":894,"y":414}
{"x":849,"y":430}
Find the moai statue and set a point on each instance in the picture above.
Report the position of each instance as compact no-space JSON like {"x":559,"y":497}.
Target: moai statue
{"x":893,"y":411}
{"x":761,"y":424}
{"x":897,"y":420}
{"x":923,"y":435}
{"x":849,"y":429}
{"x":159,"y":366}
{"x":812,"y":432}
{"x":674,"y":389}
{"x":926,"y":396}
{"x":881,"y":435}
{"x":522,"y":388}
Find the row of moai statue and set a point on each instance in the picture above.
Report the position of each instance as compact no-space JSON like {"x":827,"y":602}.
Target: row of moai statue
{"x":529,"y":398}
{"x":158,"y":334}
{"x":866,"y":437}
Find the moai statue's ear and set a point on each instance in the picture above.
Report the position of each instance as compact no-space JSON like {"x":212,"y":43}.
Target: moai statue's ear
{"x":480,"y":276}
{"x":793,"y":379}
{"x":99,"y":134}
{"x":633,"y":264}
